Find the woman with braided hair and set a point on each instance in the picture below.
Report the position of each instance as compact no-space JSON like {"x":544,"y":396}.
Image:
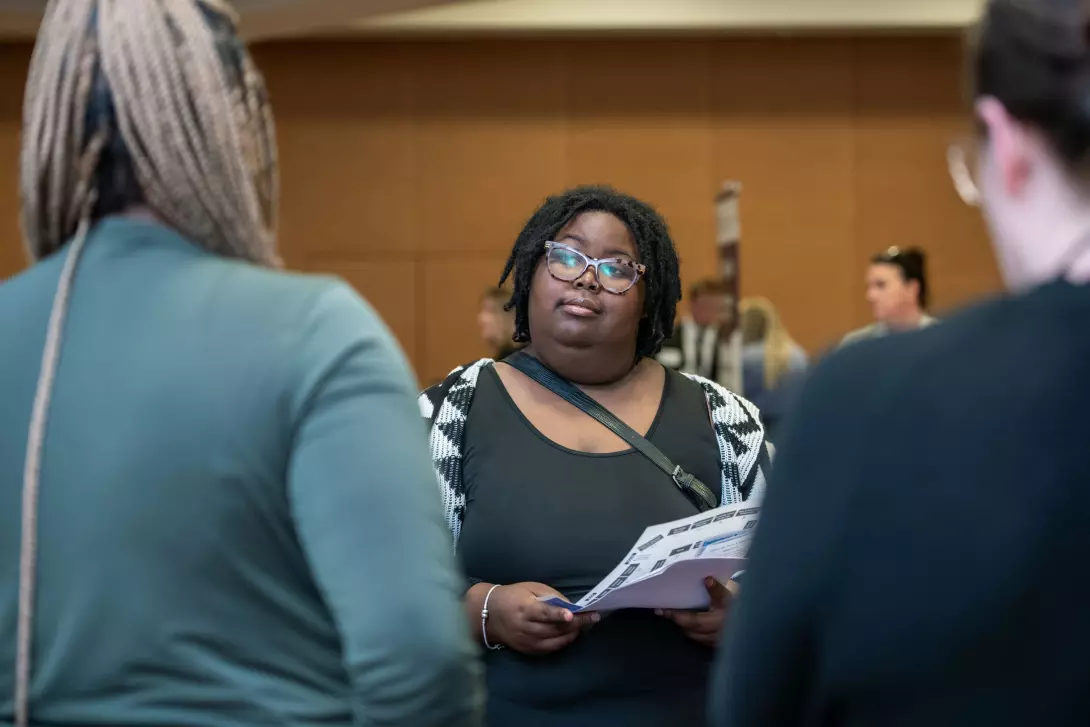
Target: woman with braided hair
{"x":216,"y":504}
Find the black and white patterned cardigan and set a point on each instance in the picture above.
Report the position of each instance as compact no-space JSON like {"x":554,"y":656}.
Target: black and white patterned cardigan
{"x":744,"y":456}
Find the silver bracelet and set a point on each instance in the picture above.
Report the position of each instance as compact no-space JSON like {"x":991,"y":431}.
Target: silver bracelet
{"x":484,"y":621}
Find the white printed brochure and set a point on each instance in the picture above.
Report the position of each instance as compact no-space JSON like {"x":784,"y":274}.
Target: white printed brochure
{"x":667,"y":566}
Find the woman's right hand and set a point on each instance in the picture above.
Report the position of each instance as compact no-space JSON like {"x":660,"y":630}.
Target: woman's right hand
{"x":519,"y":621}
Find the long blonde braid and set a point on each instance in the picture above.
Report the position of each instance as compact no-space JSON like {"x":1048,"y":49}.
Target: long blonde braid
{"x":203,"y":148}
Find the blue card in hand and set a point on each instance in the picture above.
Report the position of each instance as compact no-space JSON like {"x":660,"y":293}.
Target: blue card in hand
{"x":559,"y":603}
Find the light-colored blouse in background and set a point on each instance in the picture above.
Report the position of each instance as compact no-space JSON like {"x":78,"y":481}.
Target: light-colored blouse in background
{"x":877,"y":330}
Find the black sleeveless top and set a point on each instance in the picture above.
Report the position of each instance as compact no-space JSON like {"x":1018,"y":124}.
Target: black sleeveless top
{"x":537,"y":511}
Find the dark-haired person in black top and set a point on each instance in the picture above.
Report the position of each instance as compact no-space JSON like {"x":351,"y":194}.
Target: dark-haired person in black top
{"x":897,"y":293}
{"x":921,"y":557}
{"x":543,"y":500}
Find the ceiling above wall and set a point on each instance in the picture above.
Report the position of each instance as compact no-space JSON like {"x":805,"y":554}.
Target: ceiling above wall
{"x":264,"y":19}
{"x":677,"y":16}
{"x":261,"y":19}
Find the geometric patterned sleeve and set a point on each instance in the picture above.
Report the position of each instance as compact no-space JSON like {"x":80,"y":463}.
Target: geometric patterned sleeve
{"x":744,"y":455}
{"x":430,"y":399}
{"x":445,"y":407}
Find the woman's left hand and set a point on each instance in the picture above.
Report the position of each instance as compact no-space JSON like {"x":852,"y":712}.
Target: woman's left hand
{"x":704,"y":626}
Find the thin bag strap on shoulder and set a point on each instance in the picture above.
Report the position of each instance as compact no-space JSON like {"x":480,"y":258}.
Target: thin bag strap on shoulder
{"x":697,"y":492}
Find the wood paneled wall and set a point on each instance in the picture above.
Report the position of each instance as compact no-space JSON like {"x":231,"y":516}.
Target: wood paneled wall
{"x":13,"y":67}
{"x":409,"y":167}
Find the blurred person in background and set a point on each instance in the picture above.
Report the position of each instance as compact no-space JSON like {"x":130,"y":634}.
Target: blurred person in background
{"x":920,"y":557}
{"x":897,"y":293}
{"x":216,"y":505}
{"x":543,"y":500}
{"x":773,"y":364}
{"x":707,"y":342}
{"x":497,"y":324}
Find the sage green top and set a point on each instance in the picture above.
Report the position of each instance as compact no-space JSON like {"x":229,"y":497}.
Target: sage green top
{"x":239,"y":521}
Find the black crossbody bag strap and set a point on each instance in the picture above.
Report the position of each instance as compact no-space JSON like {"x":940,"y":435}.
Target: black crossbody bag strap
{"x":697,"y":492}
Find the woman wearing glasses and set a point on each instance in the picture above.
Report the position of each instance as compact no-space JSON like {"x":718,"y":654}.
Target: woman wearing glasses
{"x":542,"y":500}
{"x":940,"y":484}
{"x":897,"y":293}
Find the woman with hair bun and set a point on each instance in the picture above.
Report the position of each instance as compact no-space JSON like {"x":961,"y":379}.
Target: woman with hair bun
{"x":921,"y":552}
{"x":897,"y":293}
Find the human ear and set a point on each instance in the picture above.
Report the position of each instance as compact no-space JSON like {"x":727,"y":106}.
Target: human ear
{"x":1009,"y":145}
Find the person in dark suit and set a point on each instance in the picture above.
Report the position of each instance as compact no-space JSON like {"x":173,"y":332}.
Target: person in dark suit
{"x":707,"y":342}
{"x":920,"y":555}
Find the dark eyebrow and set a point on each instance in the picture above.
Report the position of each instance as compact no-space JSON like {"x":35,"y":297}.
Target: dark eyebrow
{"x":609,"y":254}
{"x":617,"y":252}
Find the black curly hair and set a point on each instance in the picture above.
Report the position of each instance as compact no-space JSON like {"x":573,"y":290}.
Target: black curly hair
{"x":662,"y":282}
